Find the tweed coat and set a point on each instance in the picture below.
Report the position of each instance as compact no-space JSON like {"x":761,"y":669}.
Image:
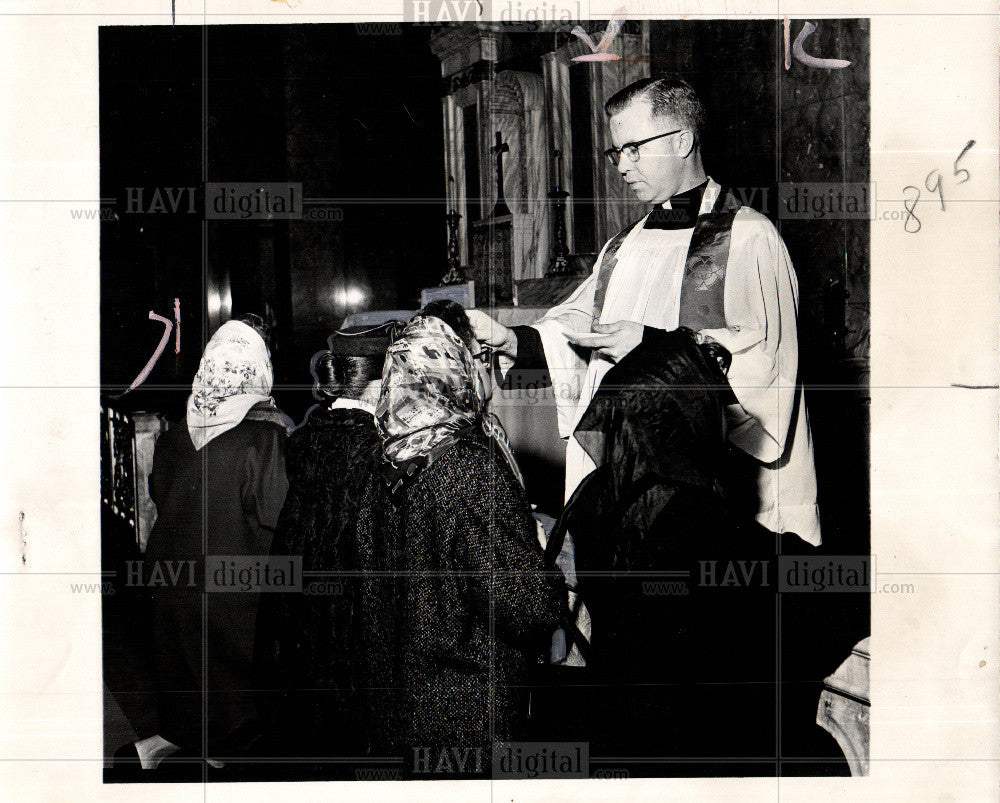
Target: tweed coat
{"x":454,"y":607}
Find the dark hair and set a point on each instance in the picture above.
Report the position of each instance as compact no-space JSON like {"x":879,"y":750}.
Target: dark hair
{"x":340,"y":375}
{"x":669,"y":96}
{"x":454,"y":315}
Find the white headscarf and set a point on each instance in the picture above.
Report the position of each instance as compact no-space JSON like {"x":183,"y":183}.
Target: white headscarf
{"x":235,"y":374}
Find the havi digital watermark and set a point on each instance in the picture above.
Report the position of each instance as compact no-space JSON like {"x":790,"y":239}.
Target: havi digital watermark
{"x":253,"y":573}
{"x":252,"y":200}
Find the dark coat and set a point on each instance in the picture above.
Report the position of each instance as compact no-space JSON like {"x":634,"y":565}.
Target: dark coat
{"x":222,"y":500}
{"x":304,"y":638}
{"x":455,"y":607}
{"x":683,"y":651}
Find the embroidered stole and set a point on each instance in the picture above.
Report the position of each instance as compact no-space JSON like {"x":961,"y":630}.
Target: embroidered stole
{"x":702,"y":303}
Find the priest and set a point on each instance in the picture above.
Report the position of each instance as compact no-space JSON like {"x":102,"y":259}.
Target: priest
{"x":700,"y":260}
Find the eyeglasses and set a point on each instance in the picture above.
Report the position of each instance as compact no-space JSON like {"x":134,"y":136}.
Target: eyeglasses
{"x":631,"y":149}
{"x":484,"y":355}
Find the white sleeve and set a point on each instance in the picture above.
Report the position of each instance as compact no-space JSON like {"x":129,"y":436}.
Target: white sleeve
{"x":567,"y":364}
{"x":761,"y":306}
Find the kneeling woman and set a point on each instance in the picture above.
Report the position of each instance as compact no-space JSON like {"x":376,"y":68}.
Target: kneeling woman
{"x":218,"y":484}
{"x":682,"y":657}
{"x":304,"y":638}
{"x":455,"y":605}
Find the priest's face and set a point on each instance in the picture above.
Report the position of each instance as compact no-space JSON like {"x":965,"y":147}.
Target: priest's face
{"x":659,"y":170}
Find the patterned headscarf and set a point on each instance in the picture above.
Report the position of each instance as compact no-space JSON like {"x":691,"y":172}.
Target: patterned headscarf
{"x":235,"y":374}
{"x":432,"y":396}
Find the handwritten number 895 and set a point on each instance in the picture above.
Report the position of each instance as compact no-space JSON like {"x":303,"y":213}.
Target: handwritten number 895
{"x":911,"y":223}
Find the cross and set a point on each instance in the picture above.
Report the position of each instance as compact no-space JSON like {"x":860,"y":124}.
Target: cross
{"x":500,"y":147}
{"x":498,"y":150}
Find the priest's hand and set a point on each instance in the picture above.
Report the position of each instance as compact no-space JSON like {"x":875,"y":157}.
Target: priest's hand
{"x":611,"y":340}
{"x":492,"y":334}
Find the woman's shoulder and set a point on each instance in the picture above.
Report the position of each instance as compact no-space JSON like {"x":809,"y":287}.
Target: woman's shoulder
{"x":256,"y":430}
{"x":268,"y":414}
{"x":472,"y":462}
{"x":343,"y":432}
{"x":470,"y":449}
{"x":321,"y":418}
{"x":251,"y":435}
{"x":471,"y":476}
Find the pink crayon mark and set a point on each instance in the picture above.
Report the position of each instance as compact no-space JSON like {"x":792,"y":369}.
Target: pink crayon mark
{"x":156,"y":354}
{"x":812,"y":61}
{"x":599,"y":52}
{"x":597,"y":57}
{"x":788,"y":52}
{"x":177,"y":331}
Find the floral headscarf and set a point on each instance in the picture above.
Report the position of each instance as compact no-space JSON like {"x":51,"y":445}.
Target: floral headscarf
{"x":432,"y":395}
{"x":235,"y":374}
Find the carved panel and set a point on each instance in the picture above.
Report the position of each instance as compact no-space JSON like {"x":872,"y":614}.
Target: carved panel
{"x":516,"y":108}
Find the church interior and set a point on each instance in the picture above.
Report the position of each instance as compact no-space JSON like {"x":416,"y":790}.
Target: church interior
{"x":429,"y":156}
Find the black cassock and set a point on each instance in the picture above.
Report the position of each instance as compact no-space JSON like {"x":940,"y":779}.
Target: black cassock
{"x":680,"y":587}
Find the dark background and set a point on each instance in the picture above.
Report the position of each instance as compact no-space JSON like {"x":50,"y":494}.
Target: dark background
{"x":767,"y":125}
{"x":348,"y":116}
{"x":358,"y":116}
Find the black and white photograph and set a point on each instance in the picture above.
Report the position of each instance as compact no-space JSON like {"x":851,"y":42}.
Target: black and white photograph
{"x":498,"y":400}
{"x":505,"y":412}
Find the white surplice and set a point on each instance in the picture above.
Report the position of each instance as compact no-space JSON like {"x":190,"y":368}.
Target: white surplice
{"x":761,"y":305}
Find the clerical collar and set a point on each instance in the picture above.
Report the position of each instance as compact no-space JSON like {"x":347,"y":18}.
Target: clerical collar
{"x":683,"y":211}
{"x":346,"y":403}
